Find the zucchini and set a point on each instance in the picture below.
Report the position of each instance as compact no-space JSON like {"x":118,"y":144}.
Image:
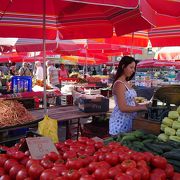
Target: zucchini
{"x":172,"y":155}
{"x":165,"y":147}
{"x":173,"y":143}
{"x":154,"y":148}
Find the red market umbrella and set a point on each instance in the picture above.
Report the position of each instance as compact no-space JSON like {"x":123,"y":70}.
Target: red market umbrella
{"x":165,"y":36}
{"x":146,"y":63}
{"x":168,"y":53}
{"x":13,"y":57}
{"x":77,"y":20}
{"x":167,"y":7}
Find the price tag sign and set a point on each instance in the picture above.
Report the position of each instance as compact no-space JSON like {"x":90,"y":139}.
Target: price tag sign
{"x":39,"y":146}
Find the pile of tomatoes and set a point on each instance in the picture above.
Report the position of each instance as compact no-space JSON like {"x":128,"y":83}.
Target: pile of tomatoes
{"x":85,"y":159}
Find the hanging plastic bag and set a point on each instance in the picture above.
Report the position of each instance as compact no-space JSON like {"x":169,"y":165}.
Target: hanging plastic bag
{"x":48,"y":127}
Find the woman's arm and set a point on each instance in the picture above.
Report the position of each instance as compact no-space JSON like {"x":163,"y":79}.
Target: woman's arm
{"x":120,"y":93}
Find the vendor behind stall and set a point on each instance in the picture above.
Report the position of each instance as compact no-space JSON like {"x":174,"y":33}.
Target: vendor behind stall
{"x":52,"y":74}
{"x":38,"y":71}
{"x":24,"y":70}
{"x":63,"y":73}
{"x":124,"y":95}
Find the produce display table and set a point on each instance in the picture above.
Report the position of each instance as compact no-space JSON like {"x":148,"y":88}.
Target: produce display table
{"x":67,"y":114}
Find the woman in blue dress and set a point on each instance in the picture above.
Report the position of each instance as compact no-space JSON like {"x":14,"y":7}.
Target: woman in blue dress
{"x":124,"y":95}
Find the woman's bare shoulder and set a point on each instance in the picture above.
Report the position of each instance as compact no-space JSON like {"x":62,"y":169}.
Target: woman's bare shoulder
{"x":119,"y":86}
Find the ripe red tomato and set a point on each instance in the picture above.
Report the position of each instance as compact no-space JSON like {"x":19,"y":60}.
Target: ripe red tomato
{"x":92,"y":166}
{"x":59,"y":145}
{"x":128,"y":164}
{"x":159,"y":162}
{"x":90,"y":142}
{"x":113,"y":171}
{"x":48,"y":174}
{"x":122,"y":176}
{"x":59,"y":161}
{"x":90,"y":150}
{"x":24,"y":161}
{"x":144,"y":173}
{"x":135,"y":173}
{"x":2,"y":171}
{"x":98,"y":145}
{"x":176,"y":176}
{"x":169,"y":170}
{"x":74,"y":164}
{"x":101,"y":173}
{"x":5,"y":177}
{"x":104,"y":164}
{"x":112,"y":159}
{"x":114,"y":145}
{"x":46,"y":163}
{"x":30,"y":162}
{"x":22,"y":174}
{"x":72,"y":174}
{"x":158,"y":174}
{"x":59,"y":168}
{"x":35,"y":171}
{"x":53,"y":156}
{"x":18,"y":155}
{"x":14,"y":170}
{"x":68,"y":142}
{"x":83,"y":139}
{"x":83,"y":171}
{"x":3,"y":158}
{"x":141,"y":164}
{"x":69,"y":155}
{"x":124,"y":156}
{"x":9,"y":164}
{"x":148,"y":156}
{"x":86,"y":177}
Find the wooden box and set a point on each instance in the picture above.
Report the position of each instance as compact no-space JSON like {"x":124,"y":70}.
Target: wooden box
{"x":146,"y":125}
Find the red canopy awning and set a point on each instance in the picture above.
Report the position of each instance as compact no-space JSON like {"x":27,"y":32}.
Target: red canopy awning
{"x":77,"y":19}
{"x":165,"y":36}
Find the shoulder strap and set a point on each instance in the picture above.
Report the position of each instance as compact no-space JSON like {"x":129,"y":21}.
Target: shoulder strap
{"x":122,"y":83}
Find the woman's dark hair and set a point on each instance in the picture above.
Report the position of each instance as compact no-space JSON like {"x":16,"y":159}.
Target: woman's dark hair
{"x":125,"y":61}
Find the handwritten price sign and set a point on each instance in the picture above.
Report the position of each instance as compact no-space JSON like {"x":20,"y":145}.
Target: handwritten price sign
{"x":39,"y":146}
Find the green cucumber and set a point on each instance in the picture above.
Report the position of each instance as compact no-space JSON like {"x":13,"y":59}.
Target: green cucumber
{"x":154,"y":148}
{"x":148,"y":141}
{"x":128,"y":137}
{"x":138,"y":144}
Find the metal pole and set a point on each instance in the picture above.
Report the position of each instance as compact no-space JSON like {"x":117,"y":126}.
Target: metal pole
{"x":132,"y":42}
{"x":44,"y":57}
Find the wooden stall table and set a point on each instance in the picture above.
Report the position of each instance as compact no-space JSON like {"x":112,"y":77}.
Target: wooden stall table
{"x":66,"y":114}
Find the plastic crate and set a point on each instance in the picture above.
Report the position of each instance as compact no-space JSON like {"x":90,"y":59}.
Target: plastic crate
{"x":21,"y":84}
{"x":100,"y":104}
